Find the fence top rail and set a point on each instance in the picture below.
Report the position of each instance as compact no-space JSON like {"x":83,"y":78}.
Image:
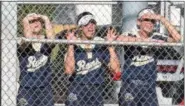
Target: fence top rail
{"x":90,"y":2}
{"x":64,"y":41}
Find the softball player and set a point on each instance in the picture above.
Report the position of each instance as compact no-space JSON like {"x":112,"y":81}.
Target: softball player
{"x":139,"y":72}
{"x":86,"y":63}
{"x":35,"y":72}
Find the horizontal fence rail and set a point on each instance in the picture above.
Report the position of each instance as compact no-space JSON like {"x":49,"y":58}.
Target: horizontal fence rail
{"x":52,"y":41}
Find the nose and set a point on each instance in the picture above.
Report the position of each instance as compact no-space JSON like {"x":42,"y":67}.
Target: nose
{"x":37,"y":22}
{"x":91,"y":24}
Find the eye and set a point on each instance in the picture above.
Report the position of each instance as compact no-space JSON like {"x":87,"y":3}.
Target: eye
{"x":149,"y":20}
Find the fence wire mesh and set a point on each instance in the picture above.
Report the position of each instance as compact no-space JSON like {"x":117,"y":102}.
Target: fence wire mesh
{"x":33,"y":71}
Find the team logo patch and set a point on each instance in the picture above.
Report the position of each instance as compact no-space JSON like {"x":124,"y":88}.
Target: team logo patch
{"x":22,"y":102}
{"x":129,"y":97}
{"x":72,"y":97}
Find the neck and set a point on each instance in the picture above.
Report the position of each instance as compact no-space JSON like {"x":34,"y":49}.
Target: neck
{"x":38,"y":36}
{"x":85,"y":38}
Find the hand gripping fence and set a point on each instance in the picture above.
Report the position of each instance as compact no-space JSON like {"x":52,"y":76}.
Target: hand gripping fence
{"x":98,"y":42}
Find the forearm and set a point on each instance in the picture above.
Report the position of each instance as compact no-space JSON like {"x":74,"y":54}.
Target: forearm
{"x":69,"y":62}
{"x":48,"y":27}
{"x":26,"y":27}
{"x":131,"y":39}
{"x":114,"y":61}
{"x":172,"y":31}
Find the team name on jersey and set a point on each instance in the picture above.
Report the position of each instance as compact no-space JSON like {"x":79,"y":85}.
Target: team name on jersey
{"x":141,"y":60}
{"x":34,"y":63}
{"x":84,"y":68}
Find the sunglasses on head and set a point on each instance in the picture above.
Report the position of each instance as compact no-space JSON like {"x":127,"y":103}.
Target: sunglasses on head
{"x":32,"y":21}
{"x":149,"y":20}
{"x":91,"y":21}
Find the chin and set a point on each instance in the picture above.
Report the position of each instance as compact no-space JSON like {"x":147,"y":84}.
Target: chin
{"x":37,"y":30}
{"x":149,"y":31}
{"x":90,"y":37}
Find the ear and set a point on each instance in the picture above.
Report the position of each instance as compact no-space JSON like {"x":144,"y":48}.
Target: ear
{"x":138,"y":23}
{"x":80,"y":28}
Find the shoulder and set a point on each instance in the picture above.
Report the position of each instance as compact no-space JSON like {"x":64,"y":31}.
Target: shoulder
{"x":132,"y":33}
{"x":159,"y":36}
{"x":98,"y":38}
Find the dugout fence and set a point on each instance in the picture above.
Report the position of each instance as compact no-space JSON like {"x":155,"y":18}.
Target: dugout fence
{"x":170,"y":89}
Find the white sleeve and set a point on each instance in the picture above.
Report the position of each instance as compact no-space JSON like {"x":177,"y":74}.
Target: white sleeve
{"x":99,"y":38}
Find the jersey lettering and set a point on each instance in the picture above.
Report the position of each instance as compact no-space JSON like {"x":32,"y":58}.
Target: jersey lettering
{"x":34,"y":64}
{"x":141,"y":60}
{"x":84,"y":68}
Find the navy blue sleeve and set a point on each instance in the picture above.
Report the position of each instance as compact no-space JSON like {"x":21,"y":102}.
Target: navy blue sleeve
{"x":105,"y":55}
{"x":25,"y":49}
{"x":46,"y":49}
{"x":159,"y":36}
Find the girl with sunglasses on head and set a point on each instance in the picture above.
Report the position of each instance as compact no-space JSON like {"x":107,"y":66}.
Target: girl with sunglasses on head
{"x":34,"y":59}
{"x":140,"y":67}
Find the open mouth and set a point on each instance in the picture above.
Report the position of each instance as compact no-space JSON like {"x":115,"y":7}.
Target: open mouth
{"x":91,"y":30}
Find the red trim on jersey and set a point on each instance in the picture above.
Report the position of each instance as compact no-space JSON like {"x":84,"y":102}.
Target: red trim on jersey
{"x":167,"y":68}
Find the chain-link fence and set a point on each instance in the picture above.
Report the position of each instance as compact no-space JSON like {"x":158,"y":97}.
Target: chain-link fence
{"x":54,"y":84}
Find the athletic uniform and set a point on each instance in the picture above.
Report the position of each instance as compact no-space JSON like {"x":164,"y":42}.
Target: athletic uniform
{"x":139,"y":74}
{"x":86,"y":87}
{"x":35,"y":75}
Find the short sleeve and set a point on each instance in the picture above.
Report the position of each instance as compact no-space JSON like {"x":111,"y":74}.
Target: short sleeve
{"x":46,"y":49}
{"x":105,"y":55}
{"x":159,"y":36}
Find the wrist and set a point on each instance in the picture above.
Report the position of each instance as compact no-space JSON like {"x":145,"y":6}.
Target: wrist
{"x":71,"y":46}
{"x":162,"y":19}
{"x":111,"y":48}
